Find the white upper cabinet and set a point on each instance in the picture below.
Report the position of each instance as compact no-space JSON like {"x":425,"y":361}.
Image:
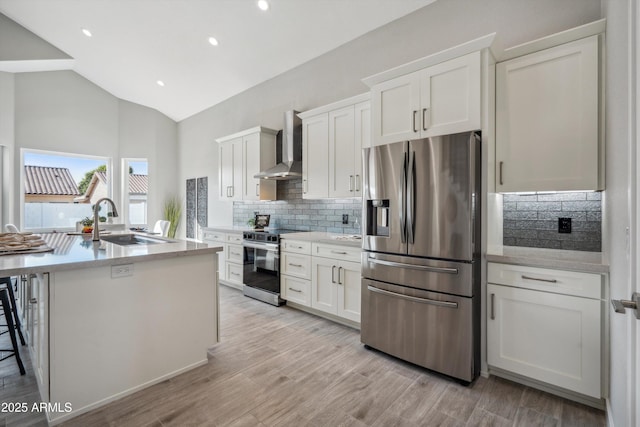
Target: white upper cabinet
{"x":315,"y":157}
{"x":438,"y":100}
{"x":547,"y":116}
{"x":240,"y":157}
{"x":333,"y":138}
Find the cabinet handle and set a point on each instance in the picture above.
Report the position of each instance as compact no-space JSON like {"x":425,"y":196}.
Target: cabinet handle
{"x":295,"y":290}
{"x":493,"y":314}
{"x":304,"y":186}
{"x":33,"y":301}
{"x":235,"y":274}
{"x":235,"y":253}
{"x":357,"y":182}
{"x":258,"y":190}
{"x":415,"y":114}
{"x":340,"y":280}
{"x":295,"y":265}
{"x":338,"y":252}
{"x":333,"y":274}
{"x":297,"y":247}
{"x":539,"y":280}
{"x":351,"y":183}
{"x":501,"y":162}
{"x":426,"y":122}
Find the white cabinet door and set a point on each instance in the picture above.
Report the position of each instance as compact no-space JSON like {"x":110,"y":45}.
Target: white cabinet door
{"x":230,"y":169}
{"x":324,"y":285}
{"x":251,"y":152}
{"x":450,"y":96}
{"x":349,"y":293}
{"x":552,"y":338}
{"x":394,"y":107}
{"x":547,"y":136}
{"x":341,"y":152}
{"x":259,"y":153}
{"x":225,"y":170}
{"x":362,"y":140}
{"x":38,"y":327}
{"x":315,"y":157}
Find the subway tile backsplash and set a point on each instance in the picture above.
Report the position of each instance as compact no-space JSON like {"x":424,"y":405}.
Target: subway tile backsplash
{"x":531,"y":220}
{"x":293,"y":212}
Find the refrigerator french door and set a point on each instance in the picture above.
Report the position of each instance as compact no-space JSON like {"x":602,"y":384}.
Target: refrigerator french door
{"x":421,"y":240}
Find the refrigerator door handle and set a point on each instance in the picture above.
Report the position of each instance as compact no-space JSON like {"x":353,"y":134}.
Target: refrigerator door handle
{"x":414,"y":299}
{"x":403,"y":199}
{"x":411,"y":194}
{"x":414,"y":266}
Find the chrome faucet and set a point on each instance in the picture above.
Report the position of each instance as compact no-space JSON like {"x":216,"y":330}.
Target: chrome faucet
{"x":96,"y":218}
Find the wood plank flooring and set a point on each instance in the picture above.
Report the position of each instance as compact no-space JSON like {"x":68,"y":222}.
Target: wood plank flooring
{"x":282,"y":367}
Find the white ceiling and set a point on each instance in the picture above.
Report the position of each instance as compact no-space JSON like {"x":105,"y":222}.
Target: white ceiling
{"x":137,"y":42}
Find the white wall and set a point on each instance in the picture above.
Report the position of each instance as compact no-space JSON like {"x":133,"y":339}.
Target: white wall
{"x":616,"y":213}
{"x":338,"y":73}
{"x":62,"y":111}
{"x":7,"y":135}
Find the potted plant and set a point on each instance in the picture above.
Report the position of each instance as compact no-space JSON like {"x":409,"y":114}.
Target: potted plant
{"x":87,"y":225}
{"x":172,"y":213}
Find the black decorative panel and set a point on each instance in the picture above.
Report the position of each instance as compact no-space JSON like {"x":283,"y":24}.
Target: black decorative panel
{"x":203,"y":201}
{"x":191,"y":207}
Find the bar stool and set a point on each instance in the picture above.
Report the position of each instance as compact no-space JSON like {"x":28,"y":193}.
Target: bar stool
{"x":8,"y":315}
{"x":6,"y":282}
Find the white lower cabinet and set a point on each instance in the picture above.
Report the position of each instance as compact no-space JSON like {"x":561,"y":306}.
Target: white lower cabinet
{"x":295,"y":271}
{"x":37,"y":328}
{"x":335,"y":287}
{"x":542,"y":326}
{"x":231,"y":259}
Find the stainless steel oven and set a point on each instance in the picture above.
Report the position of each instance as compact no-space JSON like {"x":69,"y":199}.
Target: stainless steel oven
{"x":261,"y":275}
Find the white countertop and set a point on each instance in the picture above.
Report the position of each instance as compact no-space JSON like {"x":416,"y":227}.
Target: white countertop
{"x":588,"y":262}
{"x":322,"y":237}
{"x":74,"y":252}
{"x":228,"y":228}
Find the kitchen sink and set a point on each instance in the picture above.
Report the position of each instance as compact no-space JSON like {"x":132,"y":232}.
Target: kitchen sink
{"x":131,"y":239}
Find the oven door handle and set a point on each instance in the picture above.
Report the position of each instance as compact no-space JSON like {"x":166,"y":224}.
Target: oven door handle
{"x":414,"y":266}
{"x":448,"y":304}
{"x":273,"y":247}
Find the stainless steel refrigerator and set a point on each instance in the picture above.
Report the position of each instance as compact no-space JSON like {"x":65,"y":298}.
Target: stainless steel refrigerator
{"x":421,"y":257}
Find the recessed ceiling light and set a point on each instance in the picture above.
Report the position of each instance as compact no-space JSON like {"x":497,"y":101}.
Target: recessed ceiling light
{"x":263,"y":4}
{"x":160,"y":83}
{"x":86,"y":32}
{"x":213,"y":41}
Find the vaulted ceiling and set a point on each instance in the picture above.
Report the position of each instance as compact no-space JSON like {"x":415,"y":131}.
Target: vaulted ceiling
{"x":136,"y":43}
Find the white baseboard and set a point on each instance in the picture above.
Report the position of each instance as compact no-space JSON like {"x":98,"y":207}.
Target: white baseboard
{"x":609,"y":413}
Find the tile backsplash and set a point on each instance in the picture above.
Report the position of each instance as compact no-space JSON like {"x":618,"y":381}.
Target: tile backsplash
{"x":531,"y":220}
{"x":291,"y":211}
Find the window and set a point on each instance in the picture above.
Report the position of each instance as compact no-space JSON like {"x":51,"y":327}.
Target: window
{"x":135,"y":188}
{"x":59,"y":189}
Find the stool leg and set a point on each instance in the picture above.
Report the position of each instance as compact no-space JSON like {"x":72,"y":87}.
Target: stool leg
{"x":12,"y":333}
{"x":14,"y":309}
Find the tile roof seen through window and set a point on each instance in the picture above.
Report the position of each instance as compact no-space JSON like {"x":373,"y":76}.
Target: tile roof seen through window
{"x":49,"y":181}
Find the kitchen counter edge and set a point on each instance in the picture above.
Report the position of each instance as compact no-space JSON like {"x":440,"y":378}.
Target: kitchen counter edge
{"x":586,"y":262}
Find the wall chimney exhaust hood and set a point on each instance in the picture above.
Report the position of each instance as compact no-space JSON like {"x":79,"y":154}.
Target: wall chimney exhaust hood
{"x":291,"y":165}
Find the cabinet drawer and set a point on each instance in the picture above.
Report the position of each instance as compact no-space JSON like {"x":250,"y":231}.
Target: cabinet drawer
{"x":233,"y":253}
{"x":297,"y":246}
{"x":296,"y":290}
{"x":586,"y":285}
{"x":214,"y":236}
{"x":295,"y":265}
{"x":343,"y":253}
{"x":234,"y":272}
{"x":234,"y":238}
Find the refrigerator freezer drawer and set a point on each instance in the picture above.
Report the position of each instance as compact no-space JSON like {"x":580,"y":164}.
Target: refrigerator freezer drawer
{"x":450,"y":277}
{"x":430,"y":329}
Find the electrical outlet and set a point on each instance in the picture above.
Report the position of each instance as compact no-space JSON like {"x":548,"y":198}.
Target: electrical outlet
{"x":564,"y":225}
{"x":123,"y":270}
{"x":345,"y":219}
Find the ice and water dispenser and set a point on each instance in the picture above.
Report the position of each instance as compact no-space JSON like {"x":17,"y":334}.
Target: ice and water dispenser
{"x":377,"y":218}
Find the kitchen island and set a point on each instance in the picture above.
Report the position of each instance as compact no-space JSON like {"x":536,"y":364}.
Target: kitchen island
{"x":104,"y":320}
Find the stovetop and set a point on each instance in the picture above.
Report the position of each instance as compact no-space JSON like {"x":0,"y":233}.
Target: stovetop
{"x":267,"y":234}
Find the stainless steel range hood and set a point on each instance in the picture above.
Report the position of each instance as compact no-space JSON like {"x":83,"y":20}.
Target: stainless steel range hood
{"x":291,"y":150}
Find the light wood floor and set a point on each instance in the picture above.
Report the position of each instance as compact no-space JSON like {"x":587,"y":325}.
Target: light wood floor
{"x":282,"y":367}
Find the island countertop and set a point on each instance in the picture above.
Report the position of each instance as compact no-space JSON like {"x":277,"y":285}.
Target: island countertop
{"x":73,"y":252}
